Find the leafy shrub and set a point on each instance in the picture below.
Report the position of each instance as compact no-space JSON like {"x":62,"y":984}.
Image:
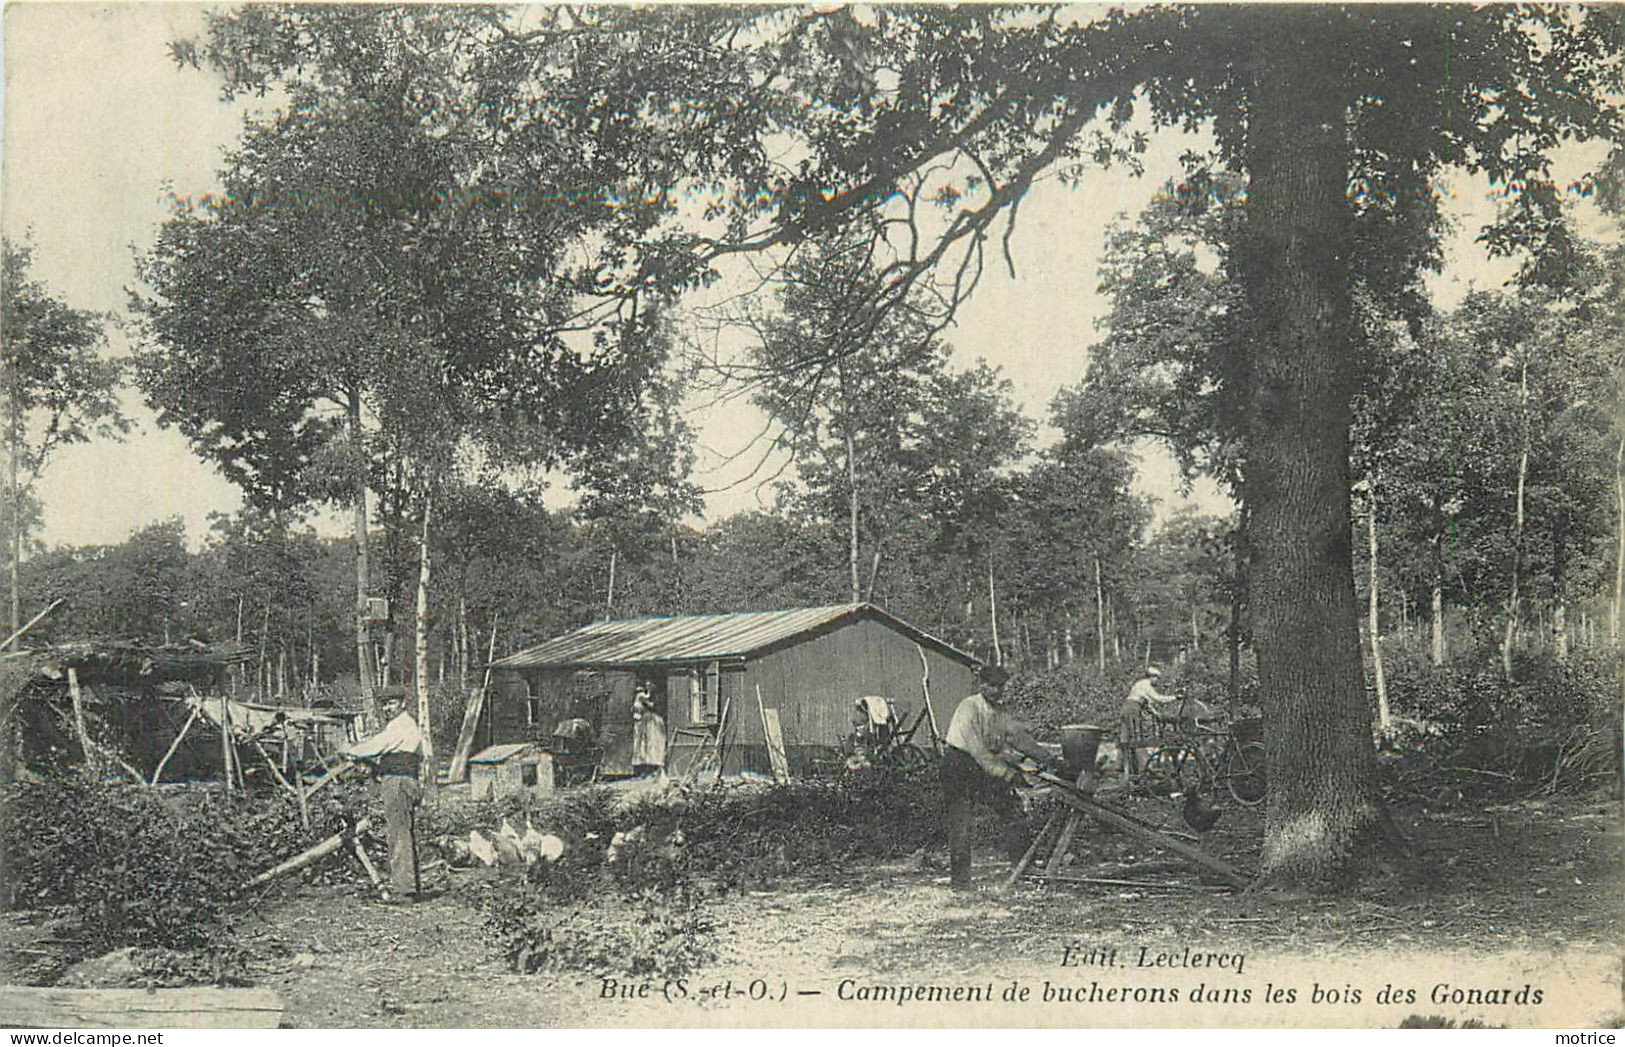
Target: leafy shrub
{"x":657,"y":933}
{"x":1467,"y":729}
{"x":146,"y":867}
{"x":663,"y":857}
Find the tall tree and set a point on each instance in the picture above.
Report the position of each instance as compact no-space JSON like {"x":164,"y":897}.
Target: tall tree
{"x":362,"y":302}
{"x":59,"y":390}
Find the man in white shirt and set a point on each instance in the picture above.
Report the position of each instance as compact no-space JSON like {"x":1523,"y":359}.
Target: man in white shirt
{"x":394,"y":756}
{"x":982,"y":760}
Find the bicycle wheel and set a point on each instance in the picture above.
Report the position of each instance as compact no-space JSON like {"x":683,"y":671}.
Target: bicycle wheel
{"x":1172,"y":769}
{"x":1244,"y":774}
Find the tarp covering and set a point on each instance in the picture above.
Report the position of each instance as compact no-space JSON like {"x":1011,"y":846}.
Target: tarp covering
{"x":248,"y":718}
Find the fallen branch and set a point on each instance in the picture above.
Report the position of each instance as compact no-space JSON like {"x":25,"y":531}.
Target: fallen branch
{"x":20,"y":633}
{"x":1154,"y":885}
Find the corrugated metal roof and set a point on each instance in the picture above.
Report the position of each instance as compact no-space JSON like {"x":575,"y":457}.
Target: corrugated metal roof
{"x":695,"y":638}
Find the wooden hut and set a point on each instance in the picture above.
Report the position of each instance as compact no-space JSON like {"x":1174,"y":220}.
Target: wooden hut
{"x":810,"y":665}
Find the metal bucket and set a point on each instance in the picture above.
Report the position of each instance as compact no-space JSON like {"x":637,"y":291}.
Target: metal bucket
{"x":1079,"y":744}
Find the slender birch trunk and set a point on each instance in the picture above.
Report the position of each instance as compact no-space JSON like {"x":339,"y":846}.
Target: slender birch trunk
{"x":1100,"y":620}
{"x":1615,"y":629}
{"x":14,"y":537}
{"x":1384,"y":719}
{"x":1510,"y":633}
{"x":993,"y":612}
{"x":852,"y":514}
{"x":370,"y":711}
{"x":1560,"y":609}
{"x":462,"y":643}
{"x":425,"y":713}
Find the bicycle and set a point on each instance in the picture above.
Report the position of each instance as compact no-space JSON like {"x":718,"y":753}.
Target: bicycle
{"x":892,"y":747}
{"x":1198,"y":758}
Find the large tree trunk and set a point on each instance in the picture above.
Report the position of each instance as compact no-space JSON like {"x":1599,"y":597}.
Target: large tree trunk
{"x":1384,"y":719}
{"x":363,"y":577}
{"x":421,"y":652}
{"x":1294,"y":265}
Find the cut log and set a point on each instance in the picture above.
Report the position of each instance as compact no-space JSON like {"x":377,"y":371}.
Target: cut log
{"x":310,"y":856}
{"x":28,"y":1007}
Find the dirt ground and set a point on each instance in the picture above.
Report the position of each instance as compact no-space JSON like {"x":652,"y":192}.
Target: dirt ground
{"x":1516,"y":911}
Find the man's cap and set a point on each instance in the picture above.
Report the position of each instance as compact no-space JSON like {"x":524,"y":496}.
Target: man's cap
{"x":1152,"y":670}
{"x":992,"y":675}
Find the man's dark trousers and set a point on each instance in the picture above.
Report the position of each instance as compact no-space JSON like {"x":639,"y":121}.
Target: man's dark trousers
{"x":963,"y":783}
{"x":400,"y":794}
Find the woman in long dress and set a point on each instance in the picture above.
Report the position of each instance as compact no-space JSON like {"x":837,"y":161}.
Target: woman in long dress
{"x":648,"y":732}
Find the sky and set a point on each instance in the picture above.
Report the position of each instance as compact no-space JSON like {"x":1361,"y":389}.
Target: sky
{"x":100,"y":125}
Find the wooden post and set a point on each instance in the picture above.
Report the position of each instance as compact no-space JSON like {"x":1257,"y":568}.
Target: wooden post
{"x":366,"y":864}
{"x":225,"y":741}
{"x":1032,"y":849}
{"x":276,"y":772}
{"x":90,"y":751}
{"x":775,"y":757}
{"x":722,"y":725}
{"x":471,"y":718}
{"x":1062,"y":844}
{"x":176,"y":744}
